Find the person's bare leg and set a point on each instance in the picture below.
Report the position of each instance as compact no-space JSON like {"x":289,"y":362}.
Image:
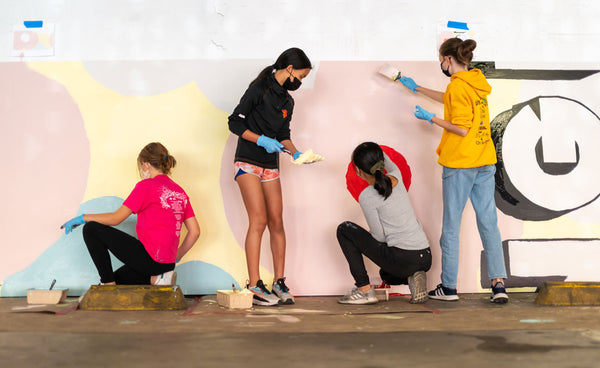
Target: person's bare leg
{"x":254,"y":201}
{"x":274,"y":203}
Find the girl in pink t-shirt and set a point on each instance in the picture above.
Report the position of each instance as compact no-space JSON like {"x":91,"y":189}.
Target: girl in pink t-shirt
{"x":162,"y":207}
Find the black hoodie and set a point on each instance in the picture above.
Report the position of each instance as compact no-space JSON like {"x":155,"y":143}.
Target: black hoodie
{"x":265,"y":108}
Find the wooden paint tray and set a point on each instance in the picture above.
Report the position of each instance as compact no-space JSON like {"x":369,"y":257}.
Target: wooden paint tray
{"x":45,"y":296}
{"x":232,"y":299}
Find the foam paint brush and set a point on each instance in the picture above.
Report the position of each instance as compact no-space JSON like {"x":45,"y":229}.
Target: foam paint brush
{"x":390,"y":72}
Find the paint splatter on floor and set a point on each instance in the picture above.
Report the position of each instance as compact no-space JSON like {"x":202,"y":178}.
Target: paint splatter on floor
{"x":385,"y":316}
{"x":280,"y":317}
{"x":537,"y":321}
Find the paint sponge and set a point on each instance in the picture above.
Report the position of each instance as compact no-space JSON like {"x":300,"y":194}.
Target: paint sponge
{"x":307,"y":157}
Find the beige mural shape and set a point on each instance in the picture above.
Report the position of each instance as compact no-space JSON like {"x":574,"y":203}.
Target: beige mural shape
{"x":186,"y":122}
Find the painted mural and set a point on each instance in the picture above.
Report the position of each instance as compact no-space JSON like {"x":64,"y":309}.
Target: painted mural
{"x":72,"y":132}
{"x":547,"y":175}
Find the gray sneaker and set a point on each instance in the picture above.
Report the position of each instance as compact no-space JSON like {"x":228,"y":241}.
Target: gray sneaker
{"x":356,"y":296}
{"x":283,"y":292}
{"x":417,"y":283}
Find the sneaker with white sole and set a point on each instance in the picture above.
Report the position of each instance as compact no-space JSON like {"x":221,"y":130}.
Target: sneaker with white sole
{"x":355,"y":296}
{"x":443,"y":293}
{"x":262,"y":295}
{"x":166,"y":279}
{"x":417,"y":284}
{"x":499,"y":294}
{"x":281,"y":290}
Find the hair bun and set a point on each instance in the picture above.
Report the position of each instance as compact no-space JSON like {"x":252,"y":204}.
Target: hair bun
{"x":468,"y":45}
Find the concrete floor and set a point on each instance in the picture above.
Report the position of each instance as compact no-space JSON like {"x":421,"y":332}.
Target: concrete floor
{"x":316,"y":332}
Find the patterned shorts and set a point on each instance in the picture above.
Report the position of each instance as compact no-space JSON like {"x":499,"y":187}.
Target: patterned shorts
{"x":261,"y":172}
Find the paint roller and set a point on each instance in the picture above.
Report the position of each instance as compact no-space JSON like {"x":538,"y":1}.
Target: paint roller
{"x":390,"y":72}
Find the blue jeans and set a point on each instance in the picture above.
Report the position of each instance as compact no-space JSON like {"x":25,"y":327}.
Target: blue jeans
{"x":478,"y":185}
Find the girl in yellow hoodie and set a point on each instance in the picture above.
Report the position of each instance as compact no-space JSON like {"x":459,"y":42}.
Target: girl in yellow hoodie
{"x":467,"y":154}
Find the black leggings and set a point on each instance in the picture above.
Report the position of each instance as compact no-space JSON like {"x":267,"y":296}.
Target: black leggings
{"x":396,"y":264}
{"x":138,"y":265}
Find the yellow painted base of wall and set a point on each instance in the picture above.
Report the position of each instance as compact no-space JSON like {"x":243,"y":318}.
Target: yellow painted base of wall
{"x":133,"y":297}
{"x":569,"y":293}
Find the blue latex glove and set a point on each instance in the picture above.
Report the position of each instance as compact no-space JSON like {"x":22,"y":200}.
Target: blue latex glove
{"x":296,"y":155}
{"x":421,"y":113}
{"x":270,"y":144}
{"x":72,"y":223}
{"x":409,"y":83}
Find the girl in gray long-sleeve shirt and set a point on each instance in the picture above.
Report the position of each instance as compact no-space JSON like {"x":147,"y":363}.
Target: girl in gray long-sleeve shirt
{"x":396,"y":241}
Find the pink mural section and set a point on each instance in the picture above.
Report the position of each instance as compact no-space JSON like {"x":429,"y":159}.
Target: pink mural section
{"x":45,"y":159}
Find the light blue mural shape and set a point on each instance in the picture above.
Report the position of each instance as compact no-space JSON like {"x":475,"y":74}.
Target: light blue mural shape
{"x":69,"y":262}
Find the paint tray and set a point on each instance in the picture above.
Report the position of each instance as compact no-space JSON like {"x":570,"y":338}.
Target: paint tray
{"x":45,"y":296}
{"x":232,"y":299}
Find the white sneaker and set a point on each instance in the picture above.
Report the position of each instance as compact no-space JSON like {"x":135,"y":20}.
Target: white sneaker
{"x":168,"y":278}
{"x":356,"y":296}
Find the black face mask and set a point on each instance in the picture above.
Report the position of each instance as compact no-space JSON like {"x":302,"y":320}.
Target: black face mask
{"x":445,"y":71}
{"x":292,"y":86}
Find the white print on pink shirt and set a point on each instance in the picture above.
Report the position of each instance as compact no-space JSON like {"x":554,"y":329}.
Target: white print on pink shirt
{"x":175,"y":201}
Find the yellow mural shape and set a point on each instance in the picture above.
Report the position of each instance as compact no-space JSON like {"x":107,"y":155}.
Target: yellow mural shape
{"x":186,"y":122}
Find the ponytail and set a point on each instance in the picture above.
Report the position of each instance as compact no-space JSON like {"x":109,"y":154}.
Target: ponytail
{"x":167,"y":163}
{"x":383,"y":184}
{"x":293,"y":56}
{"x":264,"y":73}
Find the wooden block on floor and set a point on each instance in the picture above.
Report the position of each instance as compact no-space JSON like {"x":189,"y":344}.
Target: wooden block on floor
{"x":568,"y":293}
{"x":133,"y":297}
{"x":382,"y":294}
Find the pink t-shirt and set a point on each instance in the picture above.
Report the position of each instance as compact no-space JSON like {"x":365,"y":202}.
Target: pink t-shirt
{"x":161,"y":206}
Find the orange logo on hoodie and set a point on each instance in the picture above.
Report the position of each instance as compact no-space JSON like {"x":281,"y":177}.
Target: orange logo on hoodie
{"x":284,"y":112}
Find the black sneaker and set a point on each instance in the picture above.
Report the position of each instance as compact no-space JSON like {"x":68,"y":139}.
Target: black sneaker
{"x":262,"y":295}
{"x":499,"y":294}
{"x":443,"y":293}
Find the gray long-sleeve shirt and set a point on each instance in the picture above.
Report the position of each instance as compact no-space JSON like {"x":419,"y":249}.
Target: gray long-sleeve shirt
{"x":392,"y":220}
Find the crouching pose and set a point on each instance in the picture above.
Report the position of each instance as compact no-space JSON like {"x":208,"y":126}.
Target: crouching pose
{"x":162,"y":207}
{"x":395,"y":242}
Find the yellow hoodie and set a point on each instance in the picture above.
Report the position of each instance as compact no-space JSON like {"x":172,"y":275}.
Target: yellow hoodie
{"x":465,"y":105}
